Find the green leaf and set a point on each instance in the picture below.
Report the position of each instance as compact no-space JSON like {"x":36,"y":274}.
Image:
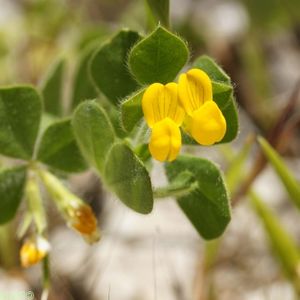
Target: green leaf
{"x":283,"y":245}
{"x":59,"y":150}
{"x":129,"y":179}
{"x":222,"y":93}
{"x":83,"y":88}
{"x":231,"y":116}
{"x":160,"y":9}
{"x":207,"y":207}
{"x":288,"y":180}
{"x":131,"y":110}
{"x":183,"y":184}
{"x":11,"y":191}
{"x":20,"y":113}
{"x":108,"y":67}
{"x":52,"y":88}
{"x":93,"y":132}
{"x":213,"y":70}
{"x":158,"y":57}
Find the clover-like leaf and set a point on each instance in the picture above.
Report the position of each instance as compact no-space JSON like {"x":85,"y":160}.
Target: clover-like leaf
{"x":207,"y":206}
{"x":108,"y":67}
{"x":52,"y":88}
{"x":158,"y":57}
{"x":59,"y":149}
{"x":93,"y":132}
{"x":11,"y":191}
{"x":129,"y":179}
{"x":20,"y":113}
{"x":83,"y":87}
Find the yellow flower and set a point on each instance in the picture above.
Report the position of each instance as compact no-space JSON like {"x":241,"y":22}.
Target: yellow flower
{"x":33,"y":251}
{"x":164,"y":116}
{"x":205,"y":121}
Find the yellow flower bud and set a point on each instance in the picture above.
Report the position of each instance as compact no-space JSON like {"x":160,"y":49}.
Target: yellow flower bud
{"x":84,"y":220}
{"x":33,"y":251}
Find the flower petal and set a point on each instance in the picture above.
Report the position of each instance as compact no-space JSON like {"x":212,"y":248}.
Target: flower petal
{"x":194,"y":89}
{"x":160,"y":102}
{"x":165,"y":140}
{"x":207,"y":125}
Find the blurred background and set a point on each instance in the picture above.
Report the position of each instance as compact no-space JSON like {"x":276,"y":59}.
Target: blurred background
{"x":160,"y":256}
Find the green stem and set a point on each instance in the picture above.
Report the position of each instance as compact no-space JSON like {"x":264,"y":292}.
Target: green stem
{"x":59,"y":193}
{"x":46,"y":278}
{"x":35,"y":203}
{"x":8,"y":255}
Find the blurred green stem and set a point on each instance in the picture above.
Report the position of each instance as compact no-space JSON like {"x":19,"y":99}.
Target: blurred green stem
{"x":46,"y":278}
{"x":8,"y":253}
{"x":35,"y":204}
{"x":282,"y":243}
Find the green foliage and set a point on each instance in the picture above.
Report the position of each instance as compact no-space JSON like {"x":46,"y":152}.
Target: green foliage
{"x":232,"y":122}
{"x":215,"y":72}
{"x":129,"y":179}
{"x":108,"y":67}
{"x":83,"y":88}
{"x":118,"y":165}
{"x":158,"y":57}
{"x":288,"y":180}
{"x":283,"y":245}
{"x":20,"y":113}
{"x":93,"y":132}
{"x":131,"y":110}
{"x":207,"y":206}
{"x":222,"y":94}
{"x":11,"y":190}
{"x":59,"y":150}
{"x":52,"y":89}
{"x":160,"y":10}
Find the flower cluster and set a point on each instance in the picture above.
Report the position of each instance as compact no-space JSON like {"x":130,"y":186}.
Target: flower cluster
{"x":188,"y":104}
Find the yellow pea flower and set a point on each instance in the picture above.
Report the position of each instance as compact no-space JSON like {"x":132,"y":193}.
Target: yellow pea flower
{"x":164,"y":116}
{"x":205,"y":121}
{"x":33,"y":251}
